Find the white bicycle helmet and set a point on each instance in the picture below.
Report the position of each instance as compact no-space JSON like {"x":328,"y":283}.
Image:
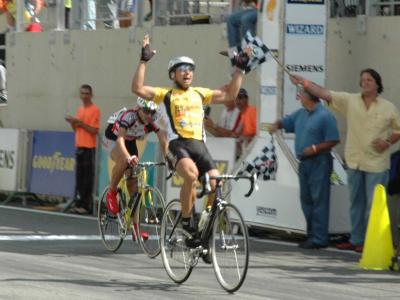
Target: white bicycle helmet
{"x":147,"y":104}
{"x":177,"y":61}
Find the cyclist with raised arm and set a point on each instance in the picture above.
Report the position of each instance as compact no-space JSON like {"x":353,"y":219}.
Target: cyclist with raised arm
{"x":183,"y":106}
{"x":124,"y":128}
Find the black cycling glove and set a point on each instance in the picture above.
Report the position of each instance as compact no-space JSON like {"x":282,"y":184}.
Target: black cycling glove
{"x":241,"y":60}
{"x":147,"y":54}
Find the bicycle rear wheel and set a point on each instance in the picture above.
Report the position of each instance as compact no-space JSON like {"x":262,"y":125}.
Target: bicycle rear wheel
{"x":174,"y":252}
{"x":151,"y":211}
{"x":230,"y":251}
{"x":110,"y":230}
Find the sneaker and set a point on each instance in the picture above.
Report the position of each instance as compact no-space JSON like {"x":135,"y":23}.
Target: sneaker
{"x":112,"y":202}
{"x":345,"y":246}
{"x":145,"y":235}
{"x":359,"y":248}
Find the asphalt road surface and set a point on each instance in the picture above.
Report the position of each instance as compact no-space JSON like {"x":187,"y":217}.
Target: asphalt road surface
{"x":60,"y":256}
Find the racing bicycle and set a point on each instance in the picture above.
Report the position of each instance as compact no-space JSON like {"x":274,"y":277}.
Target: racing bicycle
{"x":223,"y":239}
{"x":148,"y":203}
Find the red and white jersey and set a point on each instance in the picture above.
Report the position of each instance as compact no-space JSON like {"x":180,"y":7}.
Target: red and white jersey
{"x":129,"y":119}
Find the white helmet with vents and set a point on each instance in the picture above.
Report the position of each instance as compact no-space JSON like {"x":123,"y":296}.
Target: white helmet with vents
{"x":178,"y":61}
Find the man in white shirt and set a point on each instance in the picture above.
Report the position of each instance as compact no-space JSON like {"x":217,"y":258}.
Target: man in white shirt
{"x":228,"y":120}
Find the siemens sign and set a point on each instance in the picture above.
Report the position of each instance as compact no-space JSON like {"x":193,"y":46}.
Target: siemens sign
{"x":306,"y":29}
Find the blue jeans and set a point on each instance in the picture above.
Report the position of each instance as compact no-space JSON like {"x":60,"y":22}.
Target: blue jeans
{"x":315,"y":186}
{"x":238,"y":23}
{"x":84,"y":14}
{"x":362,"y":185}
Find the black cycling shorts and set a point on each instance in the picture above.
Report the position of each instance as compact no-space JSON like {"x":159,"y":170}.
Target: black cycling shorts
{"x":194,"y":149}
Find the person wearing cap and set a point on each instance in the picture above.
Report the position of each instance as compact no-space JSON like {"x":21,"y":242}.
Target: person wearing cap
{"x":183,"y":105}
{"x":316,"y":134}
{"x":246,"y":128}
{"x":124,"y":127}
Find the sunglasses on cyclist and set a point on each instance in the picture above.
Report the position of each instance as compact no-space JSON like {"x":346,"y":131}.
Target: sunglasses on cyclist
{"x":185,"y":68}
{"x":148,"y":111}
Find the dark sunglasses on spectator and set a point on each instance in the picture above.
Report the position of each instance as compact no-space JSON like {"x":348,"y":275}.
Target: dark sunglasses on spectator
{"x":185,"y":68}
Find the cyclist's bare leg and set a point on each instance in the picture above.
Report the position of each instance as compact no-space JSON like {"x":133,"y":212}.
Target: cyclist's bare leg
{"x":211,"y":197}
{"x":188,"y":170}
{"x":118,"y":169}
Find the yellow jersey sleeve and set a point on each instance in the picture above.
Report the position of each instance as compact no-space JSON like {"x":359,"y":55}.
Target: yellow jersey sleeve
{"x":160,"y":94}
{"x":206,"y":93}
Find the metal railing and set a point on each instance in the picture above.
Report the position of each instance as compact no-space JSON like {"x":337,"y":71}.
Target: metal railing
{"x":114,"y":14}
{"x":352,"y":8}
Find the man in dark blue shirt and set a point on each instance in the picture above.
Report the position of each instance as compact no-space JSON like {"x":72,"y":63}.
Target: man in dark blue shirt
{"x":316,"y":134}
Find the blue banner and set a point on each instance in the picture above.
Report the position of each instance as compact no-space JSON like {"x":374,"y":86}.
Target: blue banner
{"x":53,"y":163}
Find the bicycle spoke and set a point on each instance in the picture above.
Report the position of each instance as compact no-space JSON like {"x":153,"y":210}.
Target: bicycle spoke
{"x":175,"y":255}
{"x":230,"y":248}
{"x":109,"y":226}
{"x":150,"y":214}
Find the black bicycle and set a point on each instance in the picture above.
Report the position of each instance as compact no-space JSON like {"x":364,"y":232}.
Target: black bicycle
{"x":223,"y":238}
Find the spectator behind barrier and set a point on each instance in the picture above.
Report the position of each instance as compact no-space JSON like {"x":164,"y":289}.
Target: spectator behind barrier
{"x":86,"y":126}
{"x":229,"y":119}
{"x":31,"y":14}
{"x":84,"y":14}
{"x":246,"y":128}
{"x":117,"y":13}
{"x":316,"y":134}
{"x":239,"y":22}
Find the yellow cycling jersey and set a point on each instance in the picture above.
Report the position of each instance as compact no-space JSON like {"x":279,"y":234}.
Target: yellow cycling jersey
{"x":184,"y":110}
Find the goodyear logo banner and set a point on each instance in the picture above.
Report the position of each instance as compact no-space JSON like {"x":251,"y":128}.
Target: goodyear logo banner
{"x":53,"y":163}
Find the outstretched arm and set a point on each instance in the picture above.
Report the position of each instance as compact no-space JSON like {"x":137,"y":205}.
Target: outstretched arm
{"x":138,"y":86}
{"x":312,"y":87}
{"x":230,"y":91}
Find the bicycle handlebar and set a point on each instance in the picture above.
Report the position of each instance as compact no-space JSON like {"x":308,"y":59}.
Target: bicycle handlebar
{"x":206,"y":186}
{"x":148,"y":164}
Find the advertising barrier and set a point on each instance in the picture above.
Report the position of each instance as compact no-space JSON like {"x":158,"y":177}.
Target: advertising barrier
{"x":53,"y":163}
{"x":277,"y":202}
{"x":305,"y":46}
{"x":12,"y":158}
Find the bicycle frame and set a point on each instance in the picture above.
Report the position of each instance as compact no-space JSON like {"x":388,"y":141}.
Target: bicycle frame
{"x":140,"y":195}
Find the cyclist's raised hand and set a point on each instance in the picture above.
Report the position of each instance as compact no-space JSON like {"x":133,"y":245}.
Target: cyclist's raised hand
{"x":133,"y":160}
{"x":147,"y":54}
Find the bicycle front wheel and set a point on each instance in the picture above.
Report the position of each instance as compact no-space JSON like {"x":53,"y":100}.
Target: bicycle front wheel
{"x":174,"y":252}
{"x":110,"y":230}
{"x":151,"y":211}
{"x":230,"y":251}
